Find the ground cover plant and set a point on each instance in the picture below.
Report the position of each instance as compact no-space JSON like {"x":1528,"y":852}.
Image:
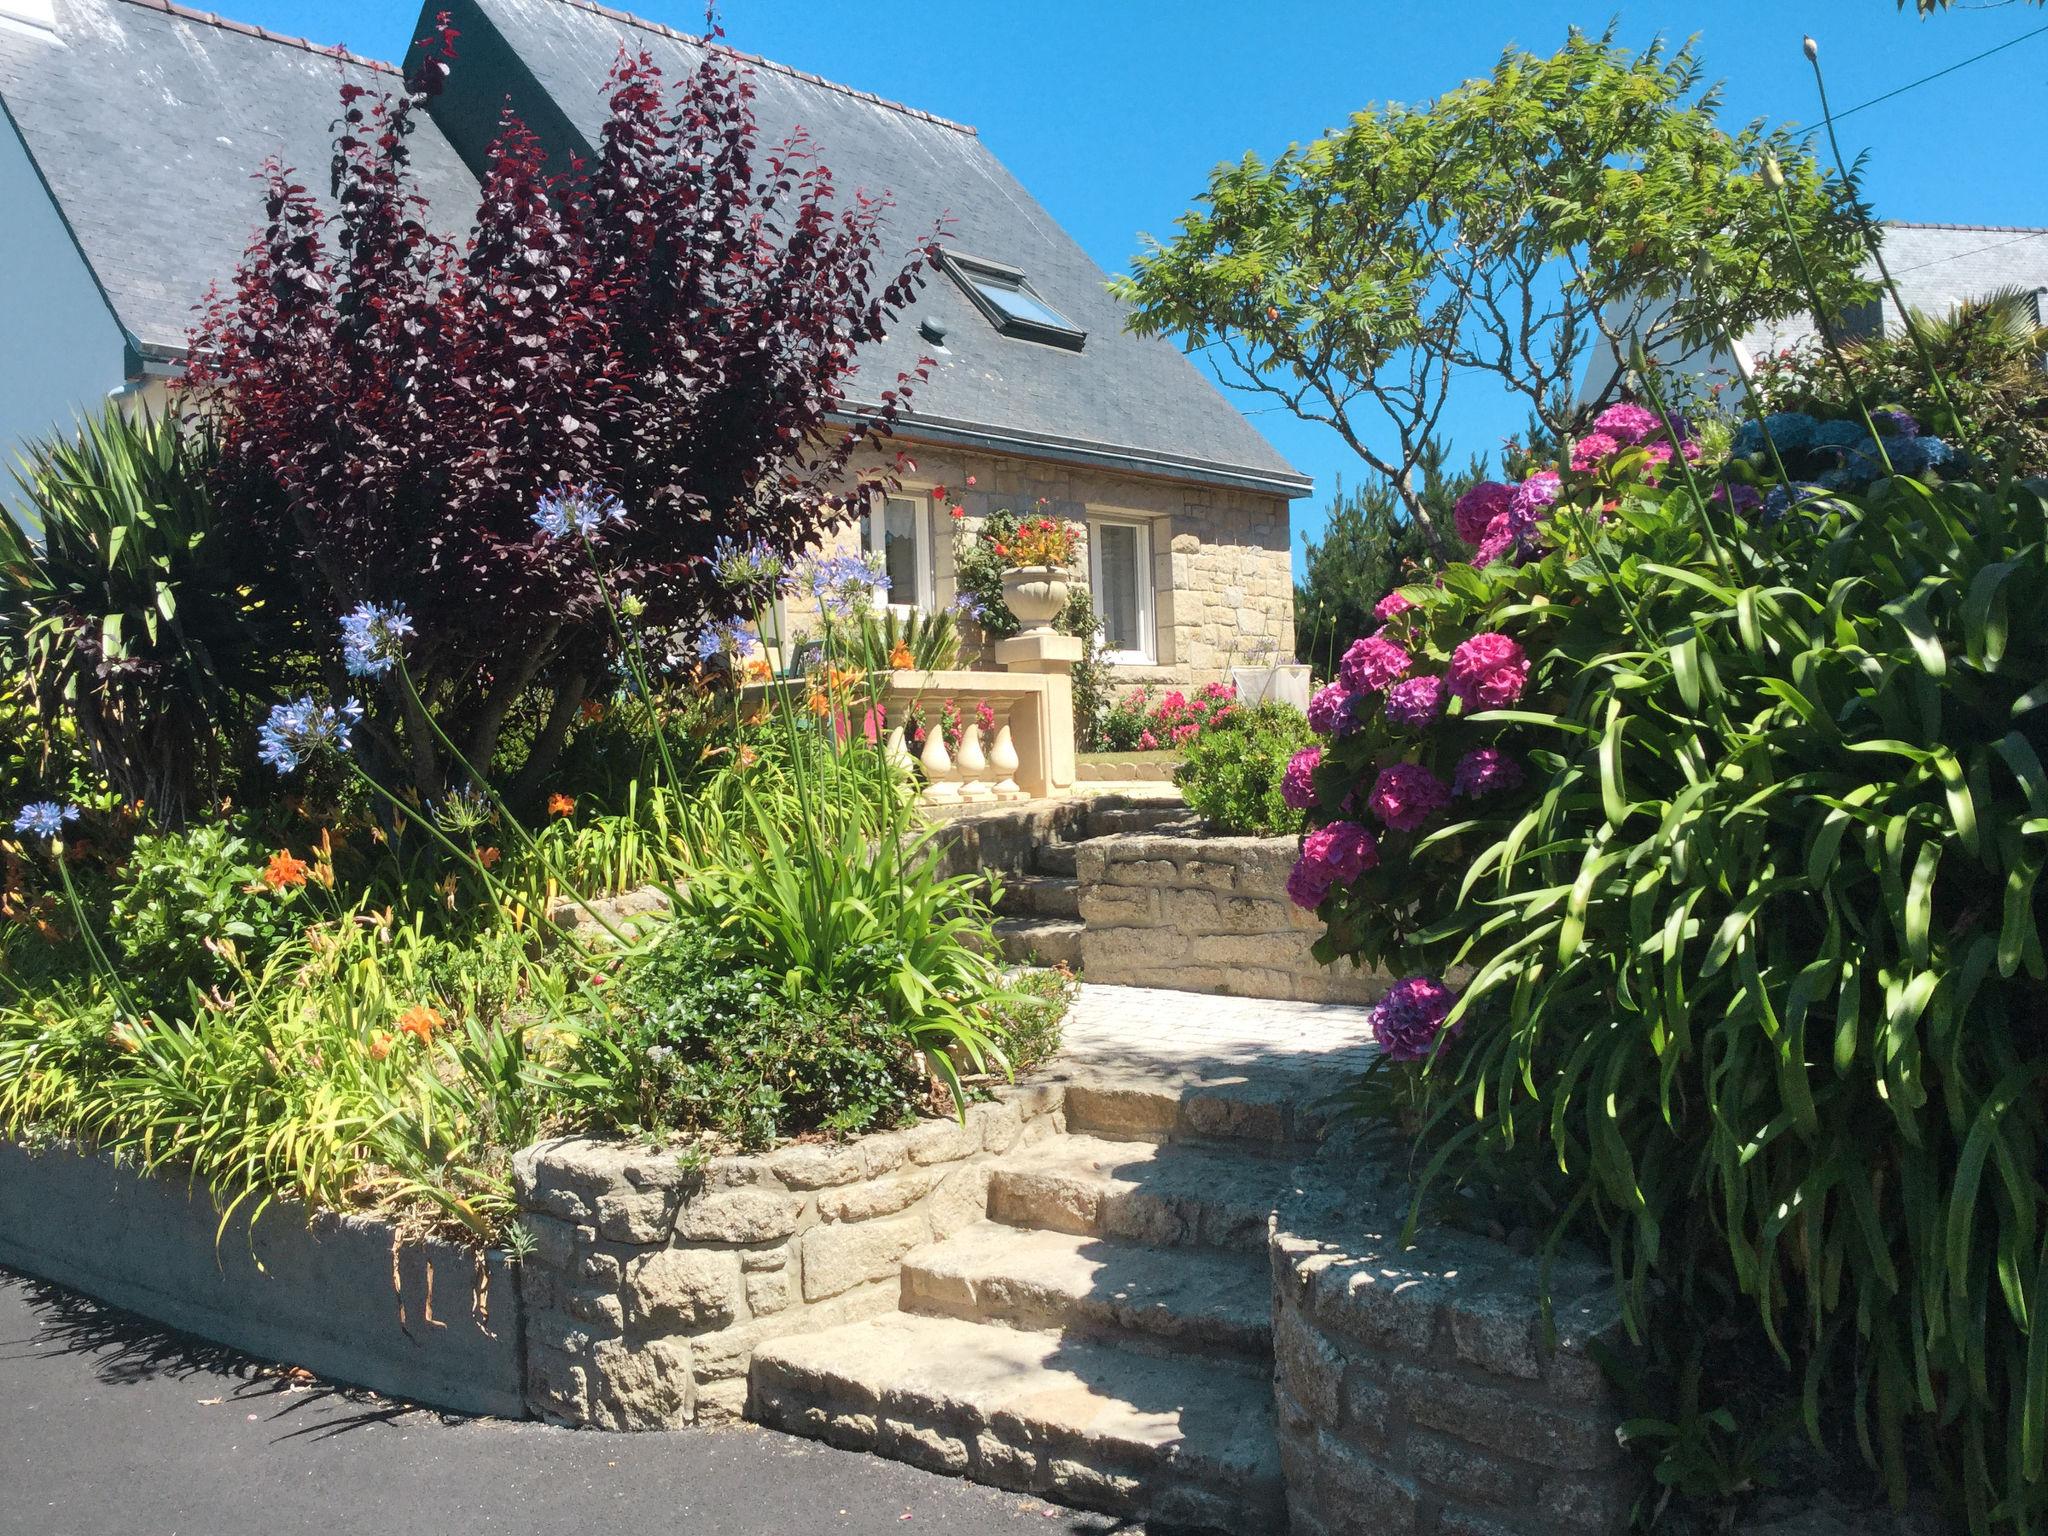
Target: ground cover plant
{"x":1234,"y":774}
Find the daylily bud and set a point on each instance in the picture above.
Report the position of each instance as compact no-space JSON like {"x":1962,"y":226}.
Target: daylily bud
{"x":1812,"y":51}
{"x":1774,"y":173}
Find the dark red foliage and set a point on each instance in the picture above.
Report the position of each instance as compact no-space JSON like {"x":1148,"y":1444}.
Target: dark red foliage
{"x":676,"y":321}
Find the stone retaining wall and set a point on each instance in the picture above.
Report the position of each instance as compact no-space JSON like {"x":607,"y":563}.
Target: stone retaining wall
{"x":1416,"y":1398}
{"x":1205,"y":914}
{"x":652,"y":1282}
{"x":342,"y":1296}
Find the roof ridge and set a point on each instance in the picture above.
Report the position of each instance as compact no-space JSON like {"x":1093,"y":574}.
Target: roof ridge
{"x":612,"y":13}
{"x":1990,"y":229}
{"x":249,"y":29}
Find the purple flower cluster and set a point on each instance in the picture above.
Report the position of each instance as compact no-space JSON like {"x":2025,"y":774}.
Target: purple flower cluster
{"x":1330,"y":856}
{"x":748,"y":568}
{"x":1408,"y":1020}
{"x":1484,"y":770}
{"x":1372,"y":664}
{"x":1416,"y":701}
{"x":1405,"y":795}
{"x":1478,"y":508}
{"x":1628,"y":424}
{"x":1330,"y":712}
{"x":1390,"y":605}
{"x":1489,"y":671}
{"x":1297,"y":781}
{"x":373,"y":638}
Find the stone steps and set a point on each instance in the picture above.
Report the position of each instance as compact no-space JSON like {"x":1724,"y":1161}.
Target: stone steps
{"x":1041,"y":896}
{"x":1170,"y":1195}
{"x":1267,"y":1117}
{"x":1056,"y":859}
{"x":1185,"y":1301}
{"x":1171,"y":1440}
{"x":1040,"y":940}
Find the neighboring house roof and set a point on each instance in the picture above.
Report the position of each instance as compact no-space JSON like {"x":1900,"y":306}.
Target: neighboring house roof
{"x":1936,"y":267}
{"x":1122,"y":401}
{"x":148,"y":122}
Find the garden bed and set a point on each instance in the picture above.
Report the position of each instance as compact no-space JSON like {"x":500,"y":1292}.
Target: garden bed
{"x":348,"y":1297}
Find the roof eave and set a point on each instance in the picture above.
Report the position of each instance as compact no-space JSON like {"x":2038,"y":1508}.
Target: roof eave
{"x":1044,"y":445}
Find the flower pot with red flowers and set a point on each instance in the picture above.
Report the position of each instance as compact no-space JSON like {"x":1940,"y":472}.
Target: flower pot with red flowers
{"x":1035,"y":565}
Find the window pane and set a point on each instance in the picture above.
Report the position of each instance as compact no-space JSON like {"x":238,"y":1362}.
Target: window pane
{"x":899,"y":550}
{"x":1117,"y":560}
{"x":1019,"y":305}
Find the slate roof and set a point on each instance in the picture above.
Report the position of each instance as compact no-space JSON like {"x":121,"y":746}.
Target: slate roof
{"x":148,"y":122}
{"x":1123,"y":401}
{"x":1937,"y":266}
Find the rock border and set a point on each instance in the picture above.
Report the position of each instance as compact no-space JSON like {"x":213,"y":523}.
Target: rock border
{"x":343,"y":1296}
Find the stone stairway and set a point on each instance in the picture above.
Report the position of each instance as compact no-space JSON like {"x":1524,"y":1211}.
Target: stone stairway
{"x":1104,"y":1336}
{"x":1039,"y":918}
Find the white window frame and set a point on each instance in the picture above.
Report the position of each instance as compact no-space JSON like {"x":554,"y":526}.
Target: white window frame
{"x":1147,"y":654}
{"x":874,"y":542}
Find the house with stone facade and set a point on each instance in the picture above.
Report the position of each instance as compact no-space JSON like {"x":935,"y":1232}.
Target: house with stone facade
{"x":134,"y":128}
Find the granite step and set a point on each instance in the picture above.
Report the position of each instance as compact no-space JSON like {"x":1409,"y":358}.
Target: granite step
{"x":1110,"y":821}
{"x":1272,"y":1115}
{"x":1041,"y":896}
{"x":1169,"y":1195}
{"x":1040,"y":940}
{"x":1056,"y":859}
{"x":1187,"y":1301}
{"x":1074,"y":1420}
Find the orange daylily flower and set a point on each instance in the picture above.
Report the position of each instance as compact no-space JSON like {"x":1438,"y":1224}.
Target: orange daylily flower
{"x":561,"y":805}
{"x":593,"y":711}
{"x":901,"y":659}
{"x":748,"y":756}
{"x":420,"y":1021}
{"x":380,"y":1044}
{"x":284,"y":872}
{"x":488,"y":857}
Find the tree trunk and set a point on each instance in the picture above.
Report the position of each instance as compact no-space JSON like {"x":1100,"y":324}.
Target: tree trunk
{"x":547,"y":746}
{"x":1411,"y":500}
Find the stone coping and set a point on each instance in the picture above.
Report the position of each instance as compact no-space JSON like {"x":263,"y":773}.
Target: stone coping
{"x":1418,"y":1395}
{"x":343,"y":1296}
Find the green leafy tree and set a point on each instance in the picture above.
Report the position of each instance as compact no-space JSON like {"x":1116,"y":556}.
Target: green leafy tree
{"x":1512,"y":228}
{"x":1369,"y":546}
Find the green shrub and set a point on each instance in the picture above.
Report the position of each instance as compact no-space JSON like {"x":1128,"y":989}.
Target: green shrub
{"x":1756,"y":961}
{"x":694,"y":1038}
{"x":184,"y":895}
{"x":1230,"y":773}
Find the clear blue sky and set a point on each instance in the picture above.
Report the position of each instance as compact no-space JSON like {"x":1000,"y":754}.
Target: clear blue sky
{"x":1113,"y":111}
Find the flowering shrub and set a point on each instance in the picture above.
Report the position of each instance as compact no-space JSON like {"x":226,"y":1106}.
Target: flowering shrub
{"x":1143,"y":722}
{"x":1236,"y":774}
{"x":1732,"y":830}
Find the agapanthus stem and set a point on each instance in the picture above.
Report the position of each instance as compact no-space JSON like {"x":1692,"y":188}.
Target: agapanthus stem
{"x":629,"y":644}
{"x":85,"y":931}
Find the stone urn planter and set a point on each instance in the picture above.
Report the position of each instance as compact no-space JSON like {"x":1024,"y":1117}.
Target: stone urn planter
{"x":1035,"y":594}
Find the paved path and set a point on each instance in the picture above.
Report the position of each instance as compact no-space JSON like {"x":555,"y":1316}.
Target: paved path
{"x":112,"y":1427}
{"x":1176,"y":1038}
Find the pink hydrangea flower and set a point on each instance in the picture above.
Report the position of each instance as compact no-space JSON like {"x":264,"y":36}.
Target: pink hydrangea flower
{"x":1500,"y":538}
{"x":1489,"y":671}
{"x":1297,"y":782}
{"x":1415,"y":701}
{"x":1536,"y":495}
{"x":1372,"y":663}
{"x":1390,"y":605}
{"x":1484,"y":770}
{"x":1405,"y":795}
{"x":1408,"y":1019}
{"x":1329,"y":711}
{"x":1627,"y":423}
{"x":1478,"y":507}
{"x":1308,"y":883}
{"x":1344,"y":848}
{"x":1595,"y":449}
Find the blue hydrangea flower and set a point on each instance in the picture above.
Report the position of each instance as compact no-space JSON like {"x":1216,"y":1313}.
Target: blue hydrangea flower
{"x":1838,"y":434}
{"x":844,"y":586}
{"x":578,"y":509}
{"x":1792,"y":431}
{"x":1895,"y":423}
{"x":1934,"y":451}
{"x":372,"y":638}
{"x":301,"y":729}
{"x":749,"y":568}
{"x":726,"y":640}
{"x":44,"y":818}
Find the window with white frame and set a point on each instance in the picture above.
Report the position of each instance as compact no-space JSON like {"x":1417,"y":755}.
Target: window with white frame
{"x":1120,"y":573}
{"x":897,"y":531}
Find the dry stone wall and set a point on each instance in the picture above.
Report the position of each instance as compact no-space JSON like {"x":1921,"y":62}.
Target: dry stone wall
{"x":1416,"y":1395}
{"x":651,"y":1282}
{"x":1205,"y":914}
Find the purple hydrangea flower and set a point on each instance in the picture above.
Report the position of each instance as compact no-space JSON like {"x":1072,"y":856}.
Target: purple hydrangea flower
{"x":1415,"y":701}
{"x":1405,"y":795}
{"x":1329,"y":711}
{"x":1627,"y":423}
{"x":1478,"y":507}
{"x":1500,"y":538}
{"x":1744,"y":498}
{"x":1409,"y":1018}
{"x":1308,"y":883}
{"x":1895,"y":423}
{"x":1297,"y":786}
{"x":1344,"y":848}
{"x":1535,"y":496}
{"x":44,"y":818}
{"x":1484,"y":770}
{"x":1372,"y":664}
{"x":373,"y":638}
{"x":1489,"y":671}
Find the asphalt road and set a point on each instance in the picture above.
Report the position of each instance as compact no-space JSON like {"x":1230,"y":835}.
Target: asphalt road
{"x":110,"y":1426}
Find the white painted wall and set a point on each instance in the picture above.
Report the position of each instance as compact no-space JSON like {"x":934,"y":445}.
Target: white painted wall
{"x":60,"y":351}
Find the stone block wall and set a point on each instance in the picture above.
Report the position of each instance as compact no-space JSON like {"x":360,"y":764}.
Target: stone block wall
{"x":1205,"y":914}
{"x":651,"y":1282}
{"x":1417,"y":1395}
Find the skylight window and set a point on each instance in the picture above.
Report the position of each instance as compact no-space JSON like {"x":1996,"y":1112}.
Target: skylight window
{"x":1012,"y":305}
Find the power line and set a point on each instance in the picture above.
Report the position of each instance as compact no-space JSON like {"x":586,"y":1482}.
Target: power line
{"x":1975,"y":250}
{"x":2011,"y":42}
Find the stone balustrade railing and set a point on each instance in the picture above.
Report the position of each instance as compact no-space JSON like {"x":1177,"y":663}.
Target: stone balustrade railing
{"x":1016,"y":732}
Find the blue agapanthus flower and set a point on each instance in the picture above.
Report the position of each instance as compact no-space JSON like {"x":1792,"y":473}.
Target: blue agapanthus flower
{"x":753,"y":568}
{"x":967,"y":606}
{"x":579,"y":509}
{"x":44,"y":818}
{"x":372,"y":638}
{"x":301,"y":729}
{"x":726,"y":640}
{"x":844,"y":586}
